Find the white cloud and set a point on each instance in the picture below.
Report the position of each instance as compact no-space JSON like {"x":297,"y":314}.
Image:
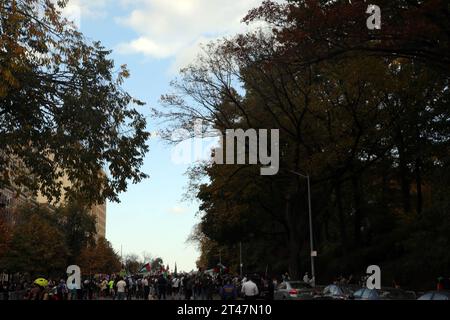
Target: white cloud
{"x":175,"y":28}
{"x":75,"y":10}
{"x":177,"y":210}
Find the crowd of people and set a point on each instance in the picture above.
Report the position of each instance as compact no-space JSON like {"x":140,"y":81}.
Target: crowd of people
{"x":194,"y":286}
{"x":197,"y":286}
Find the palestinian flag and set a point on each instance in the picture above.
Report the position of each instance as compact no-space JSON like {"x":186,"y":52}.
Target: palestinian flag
{"x":146,"y":268}
{"x":221,"y":268}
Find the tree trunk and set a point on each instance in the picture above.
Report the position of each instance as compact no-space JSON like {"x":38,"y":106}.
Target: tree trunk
{"x":384,"y":187}
{"x":404,"y":173}
{"x":357,"y":201}
{"x":293,"y":243}
{"x":419,"y":185}
{"x":341,"y":217}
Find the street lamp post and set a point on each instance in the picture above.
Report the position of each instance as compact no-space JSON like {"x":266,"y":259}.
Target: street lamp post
{"x":311,"y":235}
{"x":240,"y":258}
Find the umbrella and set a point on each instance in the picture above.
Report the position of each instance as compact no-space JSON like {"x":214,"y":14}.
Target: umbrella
{"x":41,"y":282}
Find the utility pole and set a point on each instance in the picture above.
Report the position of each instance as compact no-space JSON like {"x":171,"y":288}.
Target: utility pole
{"x":311,"y":235}
{"x":240,"y":257}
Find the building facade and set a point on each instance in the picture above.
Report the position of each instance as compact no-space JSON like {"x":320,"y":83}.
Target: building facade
{"x":99,"y":211}
{"x":9,"y":200}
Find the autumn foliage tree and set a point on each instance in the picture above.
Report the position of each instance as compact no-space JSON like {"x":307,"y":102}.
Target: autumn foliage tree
{"x":37,"y":247}
{"x":43,"y":241}
{"x":63,"y":111}
{"x":99,"y":258}
{"x":5,"y":237}
{"x":315,"y":30}
{"x":364,"y":114}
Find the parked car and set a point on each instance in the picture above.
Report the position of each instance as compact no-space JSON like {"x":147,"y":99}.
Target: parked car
{"x":295,"y":290}
{"x":436,"y":295}
{"x":383,"y":294}
{"x":336,"y":292}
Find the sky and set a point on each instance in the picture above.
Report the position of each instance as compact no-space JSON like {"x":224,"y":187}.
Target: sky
{"x":156,"y":38}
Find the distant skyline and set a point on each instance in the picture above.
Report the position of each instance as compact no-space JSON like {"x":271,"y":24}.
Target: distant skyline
{"x":155,"y":38}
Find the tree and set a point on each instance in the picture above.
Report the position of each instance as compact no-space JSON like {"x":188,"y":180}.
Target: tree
{"x":133,"y":264}
{"x":78,"y":226}
{"x":99,"y":259}
{"x":63,"y":112}
{"x":316,"y":30}
{"x":5,"y":237}
{"x":37,"y":246}
{"x":367,"y":128}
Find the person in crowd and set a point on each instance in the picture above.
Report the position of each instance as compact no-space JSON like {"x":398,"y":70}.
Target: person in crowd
{"x":169,"y":285}
{"x":188,"y":286}
{"x":197,"y":287}
{"x":85,"y":289}
{"x":4,"y":291}
{"x":210,"y":288}
{"x":139,"y":289}
{"x":270,"y":294}
{"x":306,"y":278}
{"x":175,"y":288}
{"x":36,"y":292}
{"x":112,"y":292}
{"x":342,"y":280}
{"x":250,"y":290}
{"x":121,"y":289}
{"x":104,"y":288}
{"x":162,"y":288}
{"x":395,"y":284}
{"x":46,"y":293}
{"x":146,"y":285}
{"x":228,"y":291}
{"x":62,"y":291}
{"x":129,"y":282}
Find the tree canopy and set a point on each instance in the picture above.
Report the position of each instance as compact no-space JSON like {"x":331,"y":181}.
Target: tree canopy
{"x":43,"y":241}
{"x":63,"y":112}
{"x":99,"y":258}
{"x":363,"y":113}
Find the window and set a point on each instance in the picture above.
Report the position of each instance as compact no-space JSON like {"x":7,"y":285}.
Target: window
{"x":427,"y":296}
{"x":358,"y":294}
{"x":373,"y":295}
{"x":327,"y":290}
{"x":335,"y":291}
{"x":366,"y":295}
{"x":438,"y":296}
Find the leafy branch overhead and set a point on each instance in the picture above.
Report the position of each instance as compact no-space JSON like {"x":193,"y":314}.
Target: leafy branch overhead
{"x":63,"y":112}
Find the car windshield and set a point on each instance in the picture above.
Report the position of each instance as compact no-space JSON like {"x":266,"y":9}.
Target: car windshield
{"x":441,"y":296}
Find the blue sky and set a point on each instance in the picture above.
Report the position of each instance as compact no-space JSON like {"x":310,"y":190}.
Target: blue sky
{"x":155,"y":38}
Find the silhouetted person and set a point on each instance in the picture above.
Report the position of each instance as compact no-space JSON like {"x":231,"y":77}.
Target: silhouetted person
{"x":162,"y":287}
